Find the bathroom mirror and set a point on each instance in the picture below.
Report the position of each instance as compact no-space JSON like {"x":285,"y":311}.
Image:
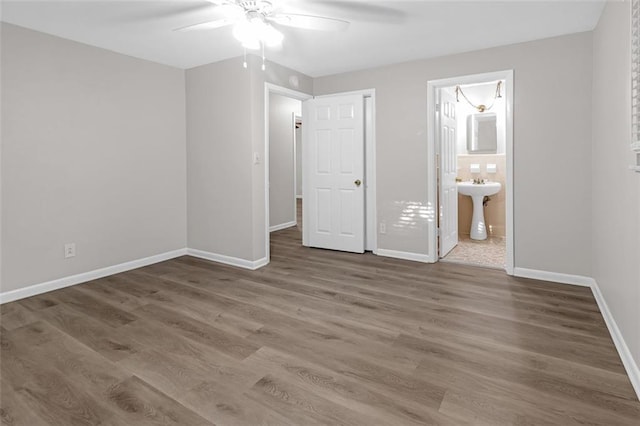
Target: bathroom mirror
{"x":482,"y":134}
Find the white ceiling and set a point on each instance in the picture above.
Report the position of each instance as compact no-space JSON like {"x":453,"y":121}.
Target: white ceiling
{"x":381,"y":32}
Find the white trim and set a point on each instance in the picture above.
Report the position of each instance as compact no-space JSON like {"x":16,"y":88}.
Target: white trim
{"x":282,"y":226}
{"x":432,"y":171}
{"x":432,"y":188}
{"x":371,"y":173}
{"x":296,"y":118}
{"x":284,"y":91}
{"x":630,"y":365}
{"x":33,"y":290}
{"x":509,"y":219}
{"x":272,"y":88}
{"x":554,"y":277}
{"x":228,"y":260}
{"x":295,"y":165}
{"x":405,"y":255}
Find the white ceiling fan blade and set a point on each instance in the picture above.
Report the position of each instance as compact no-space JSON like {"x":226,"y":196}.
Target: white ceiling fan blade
{"x":309,"y":22}
{"x":221,"y":2}
{"x":208,"y":25}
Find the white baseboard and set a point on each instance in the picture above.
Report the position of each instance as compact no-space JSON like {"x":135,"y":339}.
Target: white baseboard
{"x":282,"y":226}
{"x":33,"y":290}
{"x":554,"y":277}
{"x":229,"y":260}
{"x":416,"y":257}
{"x":299,"y":197}
{"x":630,"y":365}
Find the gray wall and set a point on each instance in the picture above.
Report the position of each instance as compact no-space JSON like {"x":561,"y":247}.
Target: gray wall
{"x":219,"y":159}
{"x":225,"y":127}
{"x":282,"y":173}
{"x":616,"y":190}
{"x":551,"y":172}
{"x":93,"y":152}
{"x":278,"y":75}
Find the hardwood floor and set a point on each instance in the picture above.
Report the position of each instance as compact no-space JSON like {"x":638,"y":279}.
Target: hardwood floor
{"x":316,"y":337}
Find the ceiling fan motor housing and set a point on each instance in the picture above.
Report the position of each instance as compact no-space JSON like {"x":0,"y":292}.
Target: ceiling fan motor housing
{"x":259,"y":6}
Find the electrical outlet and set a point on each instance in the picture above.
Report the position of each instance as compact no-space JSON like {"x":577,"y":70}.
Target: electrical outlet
{"x":69,"y":250}
{"x":383,"y":228}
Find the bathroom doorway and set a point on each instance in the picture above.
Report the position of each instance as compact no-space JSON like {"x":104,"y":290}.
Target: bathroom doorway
{"x":471,"y":142}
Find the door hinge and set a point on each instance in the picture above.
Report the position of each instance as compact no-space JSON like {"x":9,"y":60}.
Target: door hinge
{"x":438,"y":107}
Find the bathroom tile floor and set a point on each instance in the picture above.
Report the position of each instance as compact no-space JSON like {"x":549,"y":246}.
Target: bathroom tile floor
{"x":489,"y":253}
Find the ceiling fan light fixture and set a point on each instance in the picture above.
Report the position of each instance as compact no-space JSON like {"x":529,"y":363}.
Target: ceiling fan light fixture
{"x":252,"y":33}
{"x":245,"y":33}
{"x":251,"y":44}
{"x":271,"y":36}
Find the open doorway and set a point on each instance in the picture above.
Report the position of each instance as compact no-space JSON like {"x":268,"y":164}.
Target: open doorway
{"x":299,"y":153}
{"x":282,"y":161}
{"x":471,"y":147}
{"x":285,"y":119}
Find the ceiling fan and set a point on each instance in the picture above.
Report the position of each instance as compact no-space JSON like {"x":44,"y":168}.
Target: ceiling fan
{"x":254,"y":22}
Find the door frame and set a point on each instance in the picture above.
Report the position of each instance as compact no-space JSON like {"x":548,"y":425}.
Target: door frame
{"x":270,"y":88}
{"x":294,"y":118}
{"x":432,"y":185}
{"x":371,"y":211}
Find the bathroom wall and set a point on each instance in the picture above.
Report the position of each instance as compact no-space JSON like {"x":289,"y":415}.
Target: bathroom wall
{"x":494,"y":212}
{"x":481,"y":94}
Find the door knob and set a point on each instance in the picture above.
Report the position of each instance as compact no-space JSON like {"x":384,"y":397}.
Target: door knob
{"x":358,"y":182}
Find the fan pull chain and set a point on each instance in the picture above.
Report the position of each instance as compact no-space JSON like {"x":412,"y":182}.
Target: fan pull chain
{"x":244,"y":64}
{"x":263,"y":66}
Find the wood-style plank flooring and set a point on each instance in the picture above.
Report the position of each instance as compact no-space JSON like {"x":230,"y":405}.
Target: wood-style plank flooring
{"x":316,"y":337}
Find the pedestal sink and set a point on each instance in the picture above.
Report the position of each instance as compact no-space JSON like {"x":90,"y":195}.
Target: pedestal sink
{"x":477,"y":192}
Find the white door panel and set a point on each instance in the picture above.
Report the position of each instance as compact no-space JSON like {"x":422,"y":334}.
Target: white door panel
{"x":333,"y":161}
{"x":448,"y":209}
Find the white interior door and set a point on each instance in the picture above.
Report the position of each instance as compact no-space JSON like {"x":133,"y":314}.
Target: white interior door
{"x":333,"y":173}
{"x":448,"y":209}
